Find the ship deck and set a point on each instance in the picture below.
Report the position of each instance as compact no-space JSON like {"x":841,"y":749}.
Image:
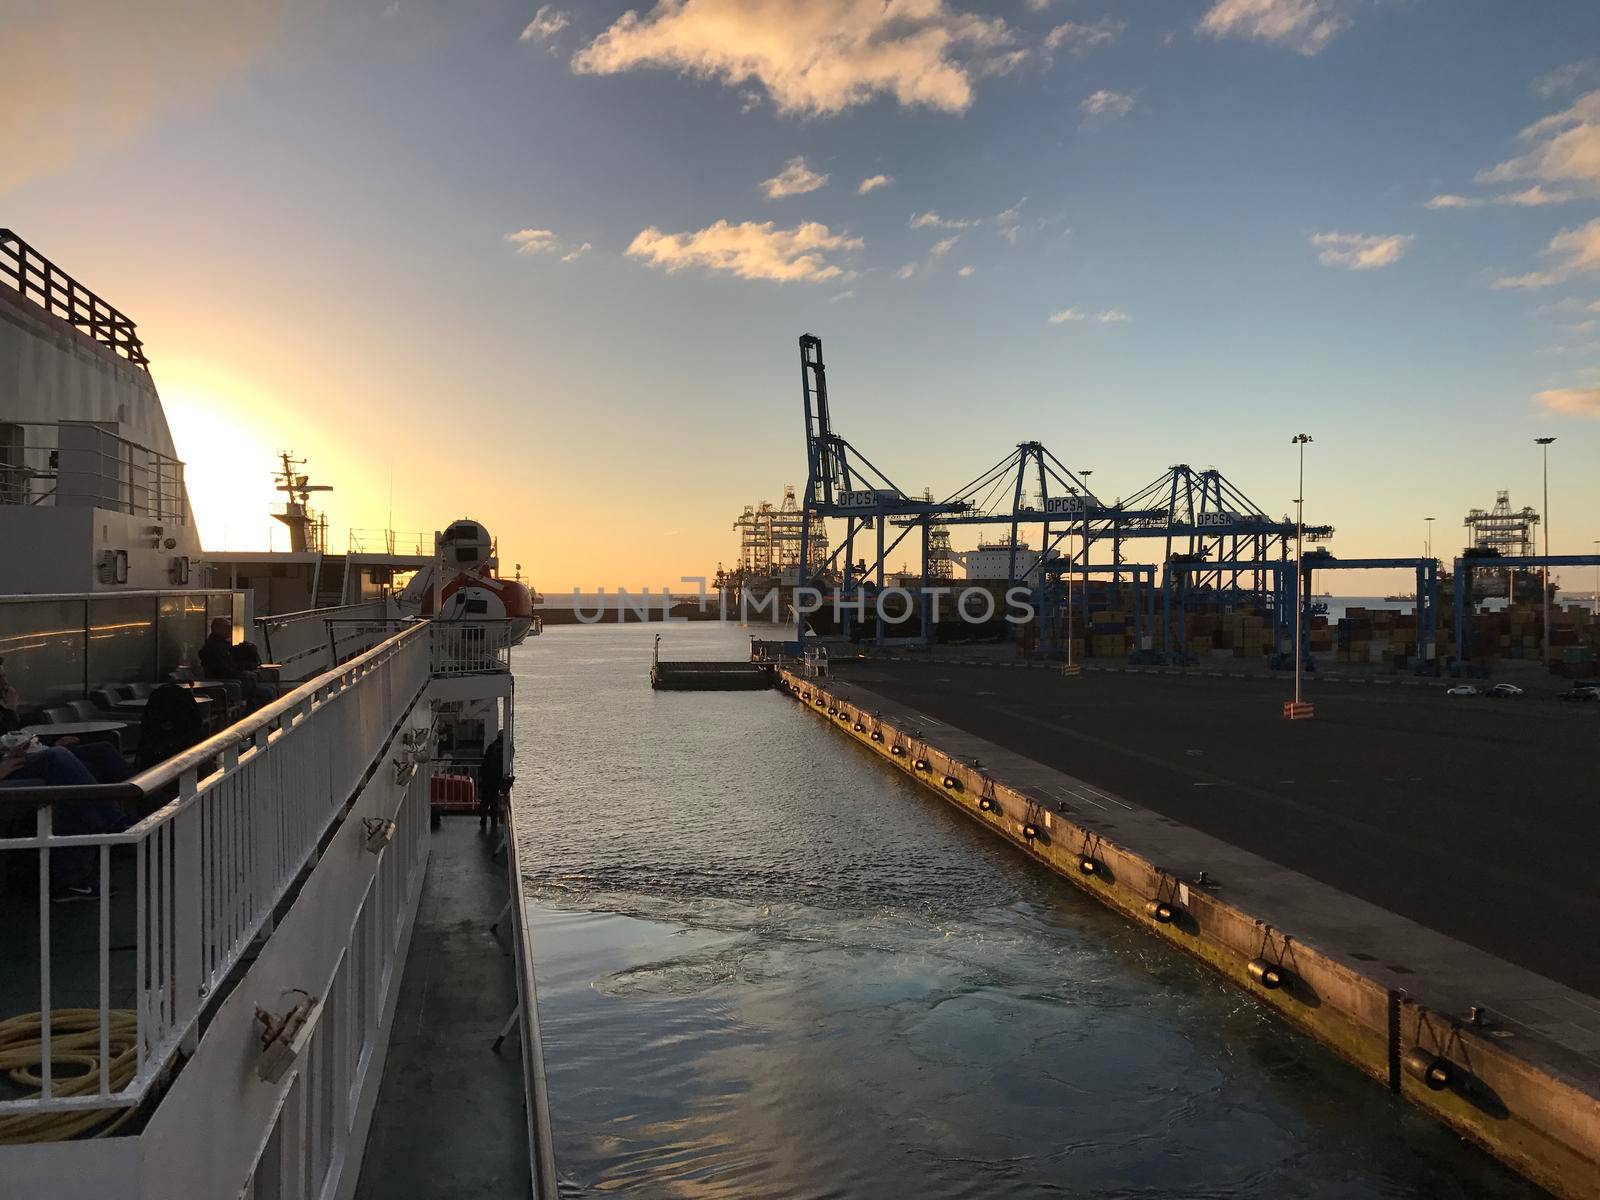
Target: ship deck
{"x":1472,"y":817}
{"x":450,"y":1112}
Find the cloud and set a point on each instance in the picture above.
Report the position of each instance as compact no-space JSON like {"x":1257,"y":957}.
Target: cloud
{"x":750,"y":250}
{"x":83,"y":78}
{"x":1305,"y":26}
{"x":1108,"y":104}
{"x":544,"y":241}
{"x":533,"y":241}
{"x":546,"y":23}
{"x":1009,"y":221}
{"x":1567,"y":306}
{"x":1078,"y":37}
{"x":873,"y":182}
{"x":1531,"y":197}
{"x":965,"y":272}
{"x":1535,"y":197}
{"x":817,"y":58}
{"x":1563,"y":148}
{"x":936,"y":252}
{"x":1582,"y":402}
{"x":796,"y":179}
{"x":1006,"y":223}
{"x":847,"y":294}
{"x":932,"y":220}
{"x":1567,"y":78}
{"x":1360,"y":251}
{"x":1106,"y":316}
{"x":1576,"y":251}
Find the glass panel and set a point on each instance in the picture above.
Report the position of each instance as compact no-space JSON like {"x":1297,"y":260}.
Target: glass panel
{"x":122,"y":639}
{"x":42,"y":642}
{"x":182,"y":629}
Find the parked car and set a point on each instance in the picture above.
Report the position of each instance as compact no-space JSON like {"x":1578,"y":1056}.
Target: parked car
{"x":1503,"y":691}
{"x":1581,"y":692}
{"x":1461,"y":689}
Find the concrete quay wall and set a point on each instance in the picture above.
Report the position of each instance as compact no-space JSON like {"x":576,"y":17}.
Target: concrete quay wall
{"x":1523,"y":1105}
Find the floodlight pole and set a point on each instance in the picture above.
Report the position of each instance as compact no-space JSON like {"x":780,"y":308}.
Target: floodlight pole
{"x":1300,"y":440}
{"x":1544,"y":443}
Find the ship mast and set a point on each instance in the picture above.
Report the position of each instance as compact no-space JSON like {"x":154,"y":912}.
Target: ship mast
{"x":308,"y":530}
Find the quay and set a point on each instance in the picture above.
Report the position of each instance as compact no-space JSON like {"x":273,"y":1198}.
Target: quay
{"x":710,"y":676}
{"x":707,"y":676}
{"x":1508,"y":1058}
{"x":1471,"y":816}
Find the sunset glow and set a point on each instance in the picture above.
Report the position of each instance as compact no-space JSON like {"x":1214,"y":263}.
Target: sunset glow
{"x":559,"y":257}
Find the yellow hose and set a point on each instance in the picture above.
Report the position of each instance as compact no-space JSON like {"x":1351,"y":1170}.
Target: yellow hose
{"x":74,"y":1041}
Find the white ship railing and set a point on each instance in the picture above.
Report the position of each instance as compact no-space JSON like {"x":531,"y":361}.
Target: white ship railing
{"x":475,"y":647}
{"x":472,"y":647}
{"x":305,"y":642}
{"x":244,"y":814}
{"x":541,"y":1141}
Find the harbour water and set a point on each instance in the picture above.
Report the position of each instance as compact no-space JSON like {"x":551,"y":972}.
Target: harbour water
{"x":770,"y":967}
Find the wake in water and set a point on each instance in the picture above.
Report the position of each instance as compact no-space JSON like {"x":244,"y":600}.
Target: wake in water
{"x":770,"y":967}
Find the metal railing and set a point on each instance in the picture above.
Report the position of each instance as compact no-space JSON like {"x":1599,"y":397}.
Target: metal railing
{"x":387,"y":541}
{"x":305,"y":643}
{"x":477,"y":647}
{"x":38,"y":279}
{"x":244,"y":813}
{"x":64,"y":463}
{"x":472,"y":647}
{"x":541,"y":1142}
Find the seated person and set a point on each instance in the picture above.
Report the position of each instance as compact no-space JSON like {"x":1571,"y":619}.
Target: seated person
{"x":219,"y":660}
{"x":103,"y":760}
{"x":171,"y":724}
{"x":73,"y":868}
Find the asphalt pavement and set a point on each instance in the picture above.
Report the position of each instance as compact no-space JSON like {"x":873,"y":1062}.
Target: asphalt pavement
{"x":1478,"y":818}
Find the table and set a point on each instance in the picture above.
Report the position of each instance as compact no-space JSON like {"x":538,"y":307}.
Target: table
{"x":141,"y":702}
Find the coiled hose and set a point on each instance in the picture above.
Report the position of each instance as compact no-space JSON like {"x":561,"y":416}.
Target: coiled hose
{"x":74,"y":1041}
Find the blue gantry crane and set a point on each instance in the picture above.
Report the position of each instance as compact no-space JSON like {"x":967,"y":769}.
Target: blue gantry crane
{"x":1464,"y":568}
{"x":1226,"y":545}
{"x":842,"y":482}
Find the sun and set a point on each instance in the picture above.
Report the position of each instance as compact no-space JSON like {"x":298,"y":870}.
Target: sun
{"x":228,"y":451}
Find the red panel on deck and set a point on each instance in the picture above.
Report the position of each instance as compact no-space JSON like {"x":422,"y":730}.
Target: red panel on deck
{"x":453,"y":794}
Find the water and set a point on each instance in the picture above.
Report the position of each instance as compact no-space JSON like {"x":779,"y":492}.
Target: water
{"x":771,"y":966}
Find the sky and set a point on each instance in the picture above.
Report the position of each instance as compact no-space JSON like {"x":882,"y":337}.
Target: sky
{"x":546,"y":265}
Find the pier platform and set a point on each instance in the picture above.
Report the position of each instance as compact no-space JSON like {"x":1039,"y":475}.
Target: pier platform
{"x":711,"y":676}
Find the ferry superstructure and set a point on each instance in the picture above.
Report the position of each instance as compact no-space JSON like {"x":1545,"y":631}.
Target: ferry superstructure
{"x":216,"y":1019}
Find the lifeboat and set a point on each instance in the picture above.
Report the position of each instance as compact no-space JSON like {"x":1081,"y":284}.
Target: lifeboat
{"x":472,"y":589}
